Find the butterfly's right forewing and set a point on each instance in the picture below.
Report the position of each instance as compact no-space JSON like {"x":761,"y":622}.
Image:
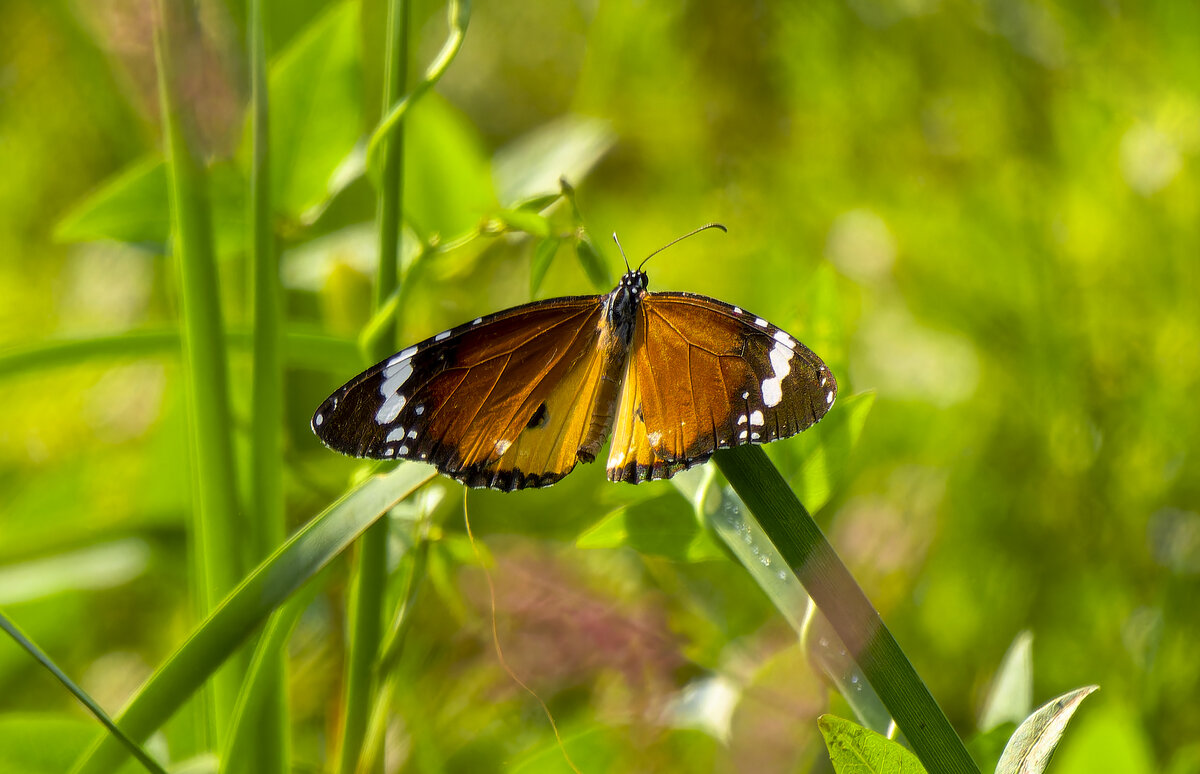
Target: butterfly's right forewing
{"x":703,"y":375}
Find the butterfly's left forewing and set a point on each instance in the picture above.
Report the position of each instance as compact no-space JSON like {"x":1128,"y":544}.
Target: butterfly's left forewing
{"x":507,"y":401}
{"x":703,"y":375}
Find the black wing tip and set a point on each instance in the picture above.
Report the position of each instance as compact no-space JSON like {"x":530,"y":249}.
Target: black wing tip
{"x":659,"y":470}
{"x":484,"y":477}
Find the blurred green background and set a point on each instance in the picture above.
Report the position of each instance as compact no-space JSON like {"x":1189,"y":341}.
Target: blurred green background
{"x":988,"y":213}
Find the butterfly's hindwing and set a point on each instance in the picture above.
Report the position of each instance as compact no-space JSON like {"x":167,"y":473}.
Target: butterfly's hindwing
{"x":704,"y":375}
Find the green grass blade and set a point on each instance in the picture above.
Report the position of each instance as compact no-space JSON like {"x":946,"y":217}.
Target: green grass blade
{"x":259,"y":595}
{"x":458,"y":15}
{"x":367,"y":589}
{"x":265,"y":693}
{"x":810,"y":556}
{"x":32,"y":649}
{"x":262,"y":704}
{"x":217,"y":563}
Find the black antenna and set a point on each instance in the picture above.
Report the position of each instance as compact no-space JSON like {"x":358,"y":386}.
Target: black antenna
{"x":693,"y":232}
{"x":622,"y":249}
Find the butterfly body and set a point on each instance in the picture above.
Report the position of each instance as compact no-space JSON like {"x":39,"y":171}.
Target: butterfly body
{"x":518,"y":398}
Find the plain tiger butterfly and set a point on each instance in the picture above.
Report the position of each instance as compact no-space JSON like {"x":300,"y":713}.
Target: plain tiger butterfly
{"x":517,"y":398}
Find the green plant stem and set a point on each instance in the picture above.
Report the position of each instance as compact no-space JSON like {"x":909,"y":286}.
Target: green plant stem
{"x":370,"y":580}
{"x":269,"y":753}
{"x":216,"y":567}
{"x":839,"y":597}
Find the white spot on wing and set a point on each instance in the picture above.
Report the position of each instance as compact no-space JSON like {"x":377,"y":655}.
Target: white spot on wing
{"x":745,"y":395}
{"x":755,"y":436}
{"x":781,"y":364}
{"x":403,"y":450}
{"x":760,"y":322}
{"x":737,"y":310}
{"x":742,"y":435}
{"x":419,"y":410}
{"x":756,"y":418}
{"x":742,"y":419}
{"x":390,"y":409}
{"x":395,"y":374}
{"x":785,"y":339}
{"x":477,"y":320}
{"x":412,"y":433}
{"x":318,"y":419}
{"x":397,"y":434}
{"x":442,"y":336}
{"x":502,"y":446}
{"x":829,"y":398}
{"x":389,"y":451}
{"x":402,"y":356}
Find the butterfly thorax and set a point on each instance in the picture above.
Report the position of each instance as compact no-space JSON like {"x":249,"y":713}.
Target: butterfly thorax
{"x":620,"y":313}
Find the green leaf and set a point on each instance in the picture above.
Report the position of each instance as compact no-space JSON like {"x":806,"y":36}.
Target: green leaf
{"x":821,"y":454}
{"x":240,"y":613}
{"x":1030,"y":748}
{"x":525,"y":220}
{"x":856,"y":750}
{"x":660,"y":526}
{"x":447,"y":178}
{"x":531,"y":165}
{"x":129,"y":207}
{"x":1011,"y":696}
{"x":593,"y":263}
{"x":316,"y":109}
{"x":543,"y":256}
{"x":133,"y":207}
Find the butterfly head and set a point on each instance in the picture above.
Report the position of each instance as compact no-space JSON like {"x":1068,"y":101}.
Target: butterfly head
{"x":634,"y":281}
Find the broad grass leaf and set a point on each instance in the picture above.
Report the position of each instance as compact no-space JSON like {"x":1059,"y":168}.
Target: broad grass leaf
{"x":857,"y":750}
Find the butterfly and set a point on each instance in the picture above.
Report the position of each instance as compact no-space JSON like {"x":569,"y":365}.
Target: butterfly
{"x":517,"y":398}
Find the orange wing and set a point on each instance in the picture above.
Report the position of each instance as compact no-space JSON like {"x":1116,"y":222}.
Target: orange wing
{"x":703,"y":375}
{"x":509,"y":401}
